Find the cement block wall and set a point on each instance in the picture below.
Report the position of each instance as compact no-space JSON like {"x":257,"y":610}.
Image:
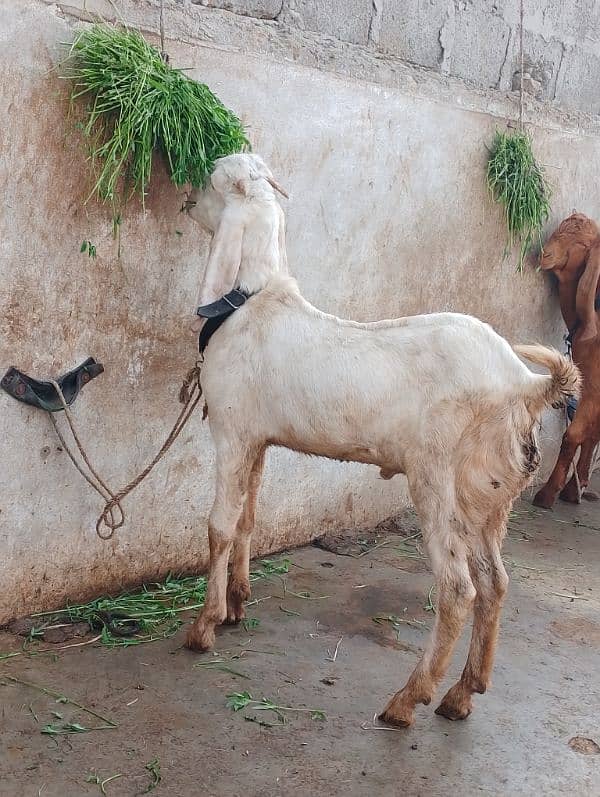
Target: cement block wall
{"x":388,"y":215}
{"x":474,"y":40}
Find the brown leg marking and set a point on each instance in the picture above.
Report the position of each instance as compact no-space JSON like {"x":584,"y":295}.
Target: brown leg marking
{"x":201,"y":635}
{"x":238,"y":586}
{"x":575,"y":487}
{"x":232,"y":483}
{"x":491,"y":582}
{"x":455,"y":599}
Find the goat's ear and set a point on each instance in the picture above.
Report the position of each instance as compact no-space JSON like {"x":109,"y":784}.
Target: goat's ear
{"x":224,"y":258}
{"x":586,"y":294}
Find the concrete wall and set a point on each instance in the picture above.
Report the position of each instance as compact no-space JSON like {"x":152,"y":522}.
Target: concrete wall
{"x":475,"y":40}
{"x":388,"y":215}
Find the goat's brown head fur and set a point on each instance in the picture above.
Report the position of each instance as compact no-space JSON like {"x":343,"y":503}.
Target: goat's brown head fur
{"x":567,"y":250}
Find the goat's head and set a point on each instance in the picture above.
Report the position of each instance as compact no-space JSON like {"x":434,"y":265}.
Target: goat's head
{"x":566,"y":251}
{"x":244,"y":174}
{"x":240,"y":209}
{"x":233,"y":177}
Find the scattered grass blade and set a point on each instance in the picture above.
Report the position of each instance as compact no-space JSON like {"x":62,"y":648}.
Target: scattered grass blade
{"x":152,"y":612}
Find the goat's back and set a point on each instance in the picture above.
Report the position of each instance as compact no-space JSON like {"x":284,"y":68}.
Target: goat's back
{"x":284,"y":372}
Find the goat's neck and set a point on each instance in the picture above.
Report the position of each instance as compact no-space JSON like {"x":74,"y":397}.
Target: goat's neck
{"x":567,"y":294}
{"x":254,"y":276}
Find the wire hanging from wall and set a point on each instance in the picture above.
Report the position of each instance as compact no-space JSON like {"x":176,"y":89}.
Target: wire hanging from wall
{"x":515,"y":179}
{"x":521,"y":64}
{"x":161,"y":25}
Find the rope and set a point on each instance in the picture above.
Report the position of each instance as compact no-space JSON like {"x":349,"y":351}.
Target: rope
{"x":99,"y":486}
{"x":189,"y":396}
{"x":521,"y":67}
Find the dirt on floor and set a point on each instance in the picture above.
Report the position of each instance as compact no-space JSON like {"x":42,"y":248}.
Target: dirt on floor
{"x":340,"y":647}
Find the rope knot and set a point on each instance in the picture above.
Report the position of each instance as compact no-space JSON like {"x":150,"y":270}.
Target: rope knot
{"x":192,"y":380}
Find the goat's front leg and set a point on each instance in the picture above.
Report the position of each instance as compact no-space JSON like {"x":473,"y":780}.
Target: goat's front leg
{"x":491,"y":582}
{"x":238,"y":587}
{"x":576,"y":485}
{"x":232,"y":483}
{"x":571,"y":441}
{"x":456,"y":593}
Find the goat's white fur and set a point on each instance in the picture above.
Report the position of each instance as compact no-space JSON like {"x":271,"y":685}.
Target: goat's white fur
{"x":441,"y":398}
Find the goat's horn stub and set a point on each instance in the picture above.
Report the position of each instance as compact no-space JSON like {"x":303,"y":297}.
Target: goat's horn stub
{"x":277,"y":187}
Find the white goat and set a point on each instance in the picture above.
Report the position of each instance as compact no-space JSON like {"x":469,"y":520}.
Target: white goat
{"x":441,"y":398}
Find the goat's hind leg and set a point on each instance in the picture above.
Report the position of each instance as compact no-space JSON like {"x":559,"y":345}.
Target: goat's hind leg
{"x":455,"y":593}
{"x":573,"y":491}
{"x":238,"y":586}
{"x":491,"y":582}
{"x":233,"y":472}
{"x":572,"y":439}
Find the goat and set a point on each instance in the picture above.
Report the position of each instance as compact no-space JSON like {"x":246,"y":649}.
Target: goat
{"x":441,"y":398}
{"x":572,"y":253}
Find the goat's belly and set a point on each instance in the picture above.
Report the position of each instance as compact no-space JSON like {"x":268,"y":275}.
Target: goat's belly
{"x":389,"y":464}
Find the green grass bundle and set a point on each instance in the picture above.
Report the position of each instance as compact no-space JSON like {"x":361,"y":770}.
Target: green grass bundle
{"x":518,"y":183}
{"x":137,"y":104}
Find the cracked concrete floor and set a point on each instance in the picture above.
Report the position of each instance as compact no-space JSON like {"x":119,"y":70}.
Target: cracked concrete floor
{"x":545,"y":689}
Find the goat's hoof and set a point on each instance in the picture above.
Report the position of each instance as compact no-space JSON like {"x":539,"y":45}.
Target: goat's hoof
{"x":200,"y":639}
{"x":398,"y":712}
{"x":398,"y":721}
{"x":455,"y":710}
{"x":543,"y":500}
{"x":570,"y":495}
{"x":238,"y":592}
{"x":590,"y":495}
{"x":235,"y":616}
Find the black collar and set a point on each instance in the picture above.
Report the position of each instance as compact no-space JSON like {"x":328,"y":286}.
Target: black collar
{"x":218,"y":312}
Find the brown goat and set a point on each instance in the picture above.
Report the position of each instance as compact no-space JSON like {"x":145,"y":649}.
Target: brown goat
{"x":573,"y":254}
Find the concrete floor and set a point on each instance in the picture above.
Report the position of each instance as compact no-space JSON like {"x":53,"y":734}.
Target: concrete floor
{"x":545,"y":691}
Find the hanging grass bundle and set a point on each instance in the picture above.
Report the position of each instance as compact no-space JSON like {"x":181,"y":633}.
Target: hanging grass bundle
{"x":518,"y":183}
{"x":137,"y":104}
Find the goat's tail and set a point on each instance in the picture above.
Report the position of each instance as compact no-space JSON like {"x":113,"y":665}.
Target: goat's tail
{"x":564,"y":379}
{"x":498,"y":453}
